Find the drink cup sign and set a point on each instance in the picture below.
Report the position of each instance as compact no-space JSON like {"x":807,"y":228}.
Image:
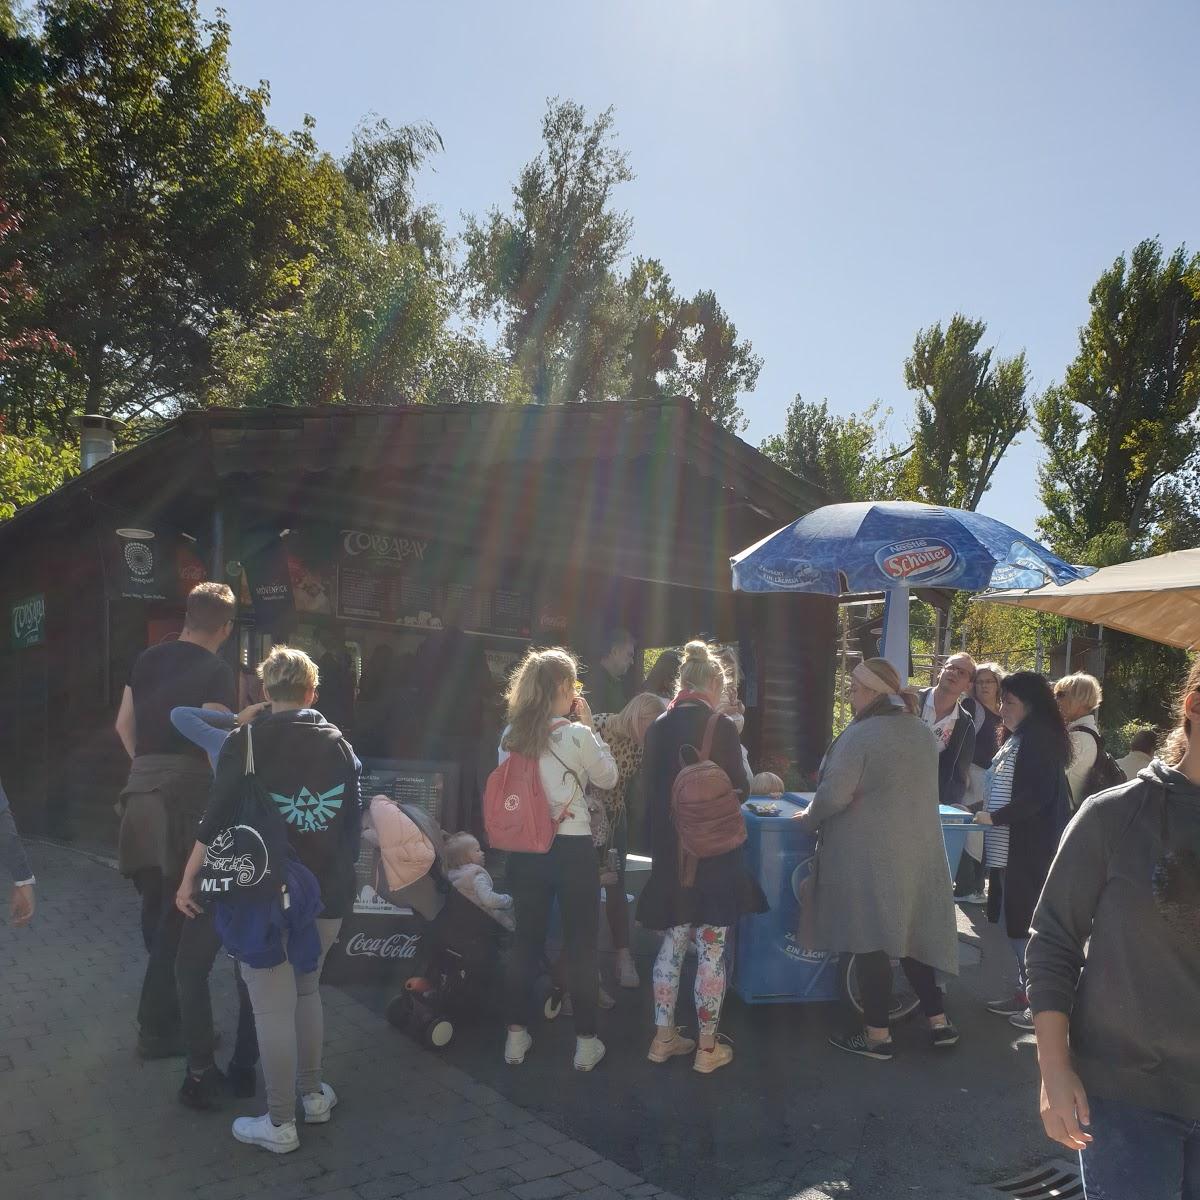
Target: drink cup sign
{"x":29,"y":622}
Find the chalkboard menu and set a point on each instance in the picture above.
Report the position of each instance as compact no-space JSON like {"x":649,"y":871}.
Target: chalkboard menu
{"x":510,"y":613}
{"x":421,"y":784}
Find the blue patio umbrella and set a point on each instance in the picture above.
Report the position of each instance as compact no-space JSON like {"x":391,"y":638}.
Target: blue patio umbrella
{"x":894,"y":546}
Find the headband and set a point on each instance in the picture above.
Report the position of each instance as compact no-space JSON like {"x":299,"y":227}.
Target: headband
{"x":869,"y":679}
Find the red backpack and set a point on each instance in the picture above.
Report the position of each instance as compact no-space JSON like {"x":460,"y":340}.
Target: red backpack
{"x":516,"y":811}
{"x":705,"y":809}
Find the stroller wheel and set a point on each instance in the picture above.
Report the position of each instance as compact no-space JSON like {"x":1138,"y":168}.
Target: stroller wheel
{"x":553,"y":1005}
{"x":400,"y":1010}
{"x":439,"y":1034}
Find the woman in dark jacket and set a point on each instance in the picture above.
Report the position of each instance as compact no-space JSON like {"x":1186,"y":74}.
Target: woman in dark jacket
{"x":1029,"y":804}
{"x":723,"y":890}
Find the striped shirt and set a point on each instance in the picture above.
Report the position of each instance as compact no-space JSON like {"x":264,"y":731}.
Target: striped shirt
{"x":1000,"y":776}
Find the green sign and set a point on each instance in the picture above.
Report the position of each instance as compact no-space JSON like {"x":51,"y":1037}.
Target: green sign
{"x":29,"y":622}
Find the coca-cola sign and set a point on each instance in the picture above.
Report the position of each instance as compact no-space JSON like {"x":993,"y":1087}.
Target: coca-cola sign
{"x":29,"y":622}
{"x":394,"y":946}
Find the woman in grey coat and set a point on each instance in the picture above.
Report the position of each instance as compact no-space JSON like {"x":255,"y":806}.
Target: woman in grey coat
{"x":882,"y":886}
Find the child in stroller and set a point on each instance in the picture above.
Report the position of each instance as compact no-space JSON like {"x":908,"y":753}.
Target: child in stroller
{"x":461,"y":965}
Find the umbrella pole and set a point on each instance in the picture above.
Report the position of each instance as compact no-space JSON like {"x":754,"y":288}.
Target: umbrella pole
{"x":895,"y":646}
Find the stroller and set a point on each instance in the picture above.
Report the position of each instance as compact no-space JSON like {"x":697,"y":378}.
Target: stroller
{"x":461,"y":966}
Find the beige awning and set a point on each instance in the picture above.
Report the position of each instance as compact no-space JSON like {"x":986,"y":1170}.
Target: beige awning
{"x":1155,"y":598}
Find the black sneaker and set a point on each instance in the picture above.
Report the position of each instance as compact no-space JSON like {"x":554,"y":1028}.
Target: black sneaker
{"x":206,"y":1091}
{"x":944,"y":1035}
{"x":1018,"y":1002}
{"x":857,"y":1043}
{"x":243,"y":1082}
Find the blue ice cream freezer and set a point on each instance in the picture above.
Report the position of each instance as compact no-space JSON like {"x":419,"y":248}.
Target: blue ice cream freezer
{"x":770,"y":966}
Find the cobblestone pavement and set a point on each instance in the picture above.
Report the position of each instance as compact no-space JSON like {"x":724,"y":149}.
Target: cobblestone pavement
{"x":82,"y":1117}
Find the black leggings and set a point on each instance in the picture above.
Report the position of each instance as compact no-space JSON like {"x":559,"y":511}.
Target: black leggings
{"x":567,"y":872}
{"x":874,"y":973}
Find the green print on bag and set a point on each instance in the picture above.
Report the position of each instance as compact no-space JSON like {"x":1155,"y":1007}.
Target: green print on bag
{"x":310,"y":813}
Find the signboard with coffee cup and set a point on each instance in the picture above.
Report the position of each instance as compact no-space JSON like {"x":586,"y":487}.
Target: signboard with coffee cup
{"x":28,"y":622}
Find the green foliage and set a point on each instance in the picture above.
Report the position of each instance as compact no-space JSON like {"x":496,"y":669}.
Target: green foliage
{"x":844,"y":456}
{"x":155,"y":197}
{"x":545,"y":269}
{"x":573,"y":326}
{"x":381,"y":168}
{"x":29,"y":468}
{"x":969,"y":411}
{"x":1121,"y":432}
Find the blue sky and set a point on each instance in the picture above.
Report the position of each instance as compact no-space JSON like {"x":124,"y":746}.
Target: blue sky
{"x":839,"y":173}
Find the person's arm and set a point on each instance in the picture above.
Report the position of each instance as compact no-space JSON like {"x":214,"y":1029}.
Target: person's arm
{"x":126,"y":722}
{"x":185,"y":897}
{"x":486,"y":891}
{"x":1062,"y":925}
{"x":960,"y":776}
{"x":1085,"y":751}
{"x":839,"y":784}
{"x":204,"y":728}
{"x":12,"y":852}
{"x":1033,"y":789}
{"x":727,"y":754}
{"x":596,"y":759}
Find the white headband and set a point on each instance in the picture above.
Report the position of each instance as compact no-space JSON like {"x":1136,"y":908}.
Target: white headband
{"x":869,"y":679}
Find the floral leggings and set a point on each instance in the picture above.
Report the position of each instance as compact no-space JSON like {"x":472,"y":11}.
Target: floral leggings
{"x":710,"y":974}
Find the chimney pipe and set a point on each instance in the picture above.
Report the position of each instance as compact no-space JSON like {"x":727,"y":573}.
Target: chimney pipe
{"x":97,"y":439}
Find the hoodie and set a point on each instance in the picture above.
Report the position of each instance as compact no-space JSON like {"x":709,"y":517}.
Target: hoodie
{"x":1116,"y":942}
{"x":313,"y":776}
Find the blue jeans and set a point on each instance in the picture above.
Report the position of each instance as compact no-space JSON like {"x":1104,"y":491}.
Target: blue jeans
{"x":1139,"y":1154}
{"x":1019,"y":946}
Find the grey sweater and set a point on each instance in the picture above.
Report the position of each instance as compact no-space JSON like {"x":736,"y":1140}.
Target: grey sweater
{"x":12,"y":852}
{"x":1116,"y":942}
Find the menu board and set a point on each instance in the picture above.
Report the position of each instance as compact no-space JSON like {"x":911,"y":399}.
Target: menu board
{"x":510,"y":613}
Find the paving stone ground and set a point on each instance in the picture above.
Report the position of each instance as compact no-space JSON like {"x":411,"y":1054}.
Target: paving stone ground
{"x":82,"y":1118}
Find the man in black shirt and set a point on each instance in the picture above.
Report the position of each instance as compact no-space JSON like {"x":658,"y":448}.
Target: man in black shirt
{"x":167,"y":791}
{"x":604,"y":684}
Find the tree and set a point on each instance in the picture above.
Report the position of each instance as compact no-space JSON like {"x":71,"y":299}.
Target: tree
{"x":690,"y":348}
{"x":844,"y":456}
{"x":1121,"y":433}
{"x":381,"y":168}
{"x":969,"y":411}
{"x":545,"y":269}
{"x":366,"y":331}
{"x":155,"y":197}
{"x":29,"y":468}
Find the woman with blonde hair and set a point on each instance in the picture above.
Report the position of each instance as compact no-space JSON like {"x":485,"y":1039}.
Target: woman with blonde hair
{"x":1114,"y":978}
{"x":722,"y":891}
{"x":881,"y":888}
{"x":548,"y":721}
{"x":1078,"y":697}
{"x":624,"y":734}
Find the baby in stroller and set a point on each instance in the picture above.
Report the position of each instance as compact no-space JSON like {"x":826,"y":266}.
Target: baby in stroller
{"x":461,"y":965}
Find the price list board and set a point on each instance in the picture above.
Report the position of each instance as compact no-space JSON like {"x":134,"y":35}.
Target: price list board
{"x":421,"y":784}
{"x":510,"y":613}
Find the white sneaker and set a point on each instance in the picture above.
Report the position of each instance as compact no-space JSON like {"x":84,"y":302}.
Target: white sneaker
{"x":516,"y":1046}
{"x":603,"y":999}
{"x":627,"y":975}
{"x":319,"y":1105}
{"x":588,"y":1052}
{"x":260,"y":1131}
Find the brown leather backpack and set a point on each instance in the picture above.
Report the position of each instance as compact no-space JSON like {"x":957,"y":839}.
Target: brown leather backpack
{"x":705,"y":808}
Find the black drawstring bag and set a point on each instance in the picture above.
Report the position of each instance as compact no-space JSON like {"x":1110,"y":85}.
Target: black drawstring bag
{"x":245,"y":861}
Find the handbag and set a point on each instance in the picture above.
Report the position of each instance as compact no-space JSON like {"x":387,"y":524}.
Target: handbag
{"x":247,"y":860}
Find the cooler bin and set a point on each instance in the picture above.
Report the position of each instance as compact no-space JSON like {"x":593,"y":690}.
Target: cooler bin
{"x":956,"y":825}
{"x":770,"y":965}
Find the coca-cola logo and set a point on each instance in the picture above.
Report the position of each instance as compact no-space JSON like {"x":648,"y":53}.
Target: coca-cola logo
{"x":395,"y":946}
{"x":388,"y":547}
{"x":919,"y":560}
